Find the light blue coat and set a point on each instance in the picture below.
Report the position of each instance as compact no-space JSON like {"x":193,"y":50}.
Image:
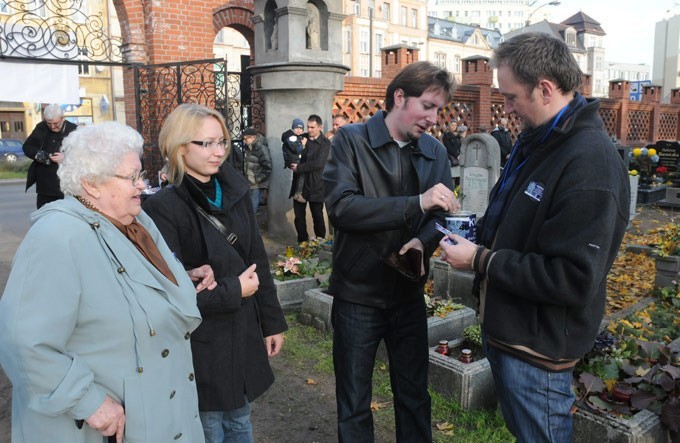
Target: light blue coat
{"x":85,"y":315}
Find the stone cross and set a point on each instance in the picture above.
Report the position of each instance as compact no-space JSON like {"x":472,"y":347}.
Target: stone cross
{"x":480,"y":161}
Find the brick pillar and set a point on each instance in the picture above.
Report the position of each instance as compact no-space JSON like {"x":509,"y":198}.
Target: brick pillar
{"x":675,"y":96}
{"x":586,"y":88}
{"x":476,"y":71}
{"x":619,"y":89}
{"x":652,"y":94}
{"x":395,"y":58}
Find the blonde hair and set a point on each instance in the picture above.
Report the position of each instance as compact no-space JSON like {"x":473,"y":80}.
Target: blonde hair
{"x":179,"y":129}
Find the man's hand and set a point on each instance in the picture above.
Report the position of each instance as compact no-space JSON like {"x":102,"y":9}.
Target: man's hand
{"x":293,"y":167}
{"x":460,"y":254}
{"x":108,"y":419}
{"x":440,"y":196}
{"x":415,"y":243}
{"x":249,"y":281}
{"x":273,"y":343}
{"x":206,"y":276}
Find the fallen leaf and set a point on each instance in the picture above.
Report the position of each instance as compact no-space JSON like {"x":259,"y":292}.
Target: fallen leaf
{"x":446,"y":426}
{"x":311,"y":381}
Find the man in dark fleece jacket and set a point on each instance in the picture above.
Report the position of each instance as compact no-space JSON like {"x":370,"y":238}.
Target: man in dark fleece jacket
{"x":552,"y":229}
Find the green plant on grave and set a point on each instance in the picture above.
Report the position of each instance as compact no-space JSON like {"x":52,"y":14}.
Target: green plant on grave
{"x":473,"y":334}
{"x":440,"y":306}
{"x":670,"y":241}
{"x":659,"y":321}
{"x":624,"y":376}
{"x":294,"y":267}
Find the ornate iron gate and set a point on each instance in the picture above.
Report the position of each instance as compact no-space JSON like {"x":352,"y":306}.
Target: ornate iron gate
{"x":159,"y":89}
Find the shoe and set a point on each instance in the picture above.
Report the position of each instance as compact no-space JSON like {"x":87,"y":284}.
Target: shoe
{"x":299,"y":198}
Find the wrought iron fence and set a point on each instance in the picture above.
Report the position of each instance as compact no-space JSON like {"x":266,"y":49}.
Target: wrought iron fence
{"x":55,"y":29}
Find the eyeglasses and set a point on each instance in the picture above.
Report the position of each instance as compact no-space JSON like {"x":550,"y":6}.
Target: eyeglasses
{"x":212,"y":144}
{"x":135,"y":178}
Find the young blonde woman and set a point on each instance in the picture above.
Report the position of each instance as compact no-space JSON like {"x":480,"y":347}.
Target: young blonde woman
{"x":206,"y":217}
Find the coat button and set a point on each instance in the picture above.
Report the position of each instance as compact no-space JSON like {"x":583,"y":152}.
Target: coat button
{"x":165,"y":353}
{"x":187,"y":336}
{"x":178,"y":436}
{"x":121,"y":270}
{"x":172,"y":394}
{"x":191,"y":376}
{"x":95,"y":225}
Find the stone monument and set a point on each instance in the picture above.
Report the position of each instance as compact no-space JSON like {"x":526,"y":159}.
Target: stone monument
{"x":298,"y":70}
{"x":480,"y":162}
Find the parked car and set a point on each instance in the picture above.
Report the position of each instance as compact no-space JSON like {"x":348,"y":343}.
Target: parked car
{"x":10,"y":150}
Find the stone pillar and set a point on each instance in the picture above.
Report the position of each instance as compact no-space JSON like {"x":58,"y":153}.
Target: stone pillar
{"x":619,"y":90}
{"x":298,"y":70}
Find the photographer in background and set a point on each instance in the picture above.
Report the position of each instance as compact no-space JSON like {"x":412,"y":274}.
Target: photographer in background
{"x":43,"y":146}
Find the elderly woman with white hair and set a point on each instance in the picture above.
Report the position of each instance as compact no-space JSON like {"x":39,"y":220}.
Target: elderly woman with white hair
{"x":97,"y":314}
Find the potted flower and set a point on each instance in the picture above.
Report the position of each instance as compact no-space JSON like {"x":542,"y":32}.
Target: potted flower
{"x":294,"y":275}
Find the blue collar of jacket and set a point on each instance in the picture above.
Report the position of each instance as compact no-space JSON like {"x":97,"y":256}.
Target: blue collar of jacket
{"x":379,"y":136}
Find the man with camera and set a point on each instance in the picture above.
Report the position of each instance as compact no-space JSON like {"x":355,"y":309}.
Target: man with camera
{"x":43,"y":146}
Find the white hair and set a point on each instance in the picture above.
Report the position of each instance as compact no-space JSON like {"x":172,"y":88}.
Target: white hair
{"x":93,"y":152}
{"x":53,"y":111}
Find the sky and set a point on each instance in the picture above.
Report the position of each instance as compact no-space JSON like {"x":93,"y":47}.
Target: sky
{"x":629,"y":24}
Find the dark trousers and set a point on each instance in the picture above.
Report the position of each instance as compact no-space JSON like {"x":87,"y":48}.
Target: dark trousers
{"x":300,"y":210}
{"x":43,"y":199}
{"x":357,"y":331}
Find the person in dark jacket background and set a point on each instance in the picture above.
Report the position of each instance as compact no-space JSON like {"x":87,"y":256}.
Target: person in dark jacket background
{"x":292,"y":144}
{"x":206,"y":217}
{"x":256,"y":164}
{"x":310,"y":169}
{"x":549,"y":236}
{"x":502,"y":136}
{"x":43,"y":147}
{"x":452,"y":142}
{"x":386,"y":184}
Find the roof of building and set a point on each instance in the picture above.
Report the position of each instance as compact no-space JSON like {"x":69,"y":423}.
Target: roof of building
{"x":459,"y":32}
{"x":582,"y":22}
{"x":556,"y":30}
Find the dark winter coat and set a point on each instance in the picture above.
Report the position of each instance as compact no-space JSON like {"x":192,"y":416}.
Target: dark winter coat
{"x":371,"y":214}
{"x":228,"y":349}
{"x":291,"y":145}
{"x":43,"y":139}
{"x":504,"y":140}
{"x":560,"y":231}
{"x":310,"y":168}
{"x":253,"y":161}
{"x":452,"y":142}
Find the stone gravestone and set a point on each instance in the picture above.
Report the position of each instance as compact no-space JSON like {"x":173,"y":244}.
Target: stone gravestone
{"x":669,"y":154}
{"x":480,"y":168}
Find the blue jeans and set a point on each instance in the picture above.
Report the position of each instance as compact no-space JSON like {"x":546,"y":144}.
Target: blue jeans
{"x":227,"y":426}
{"x":357,"y":331}
{"x":536,"y":404}
{"x":255,"y":198}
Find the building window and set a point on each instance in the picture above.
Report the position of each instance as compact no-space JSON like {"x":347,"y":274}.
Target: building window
{"x":440,"y":59}
{"x":18,"y":126}
{"x":571,"y":39}
{"x":363,"y":66}
{"x":379,"y":41}
{"x":348,"y":40}
{"x":357,"y":8}
{"x":403,"y":15}
{"x":598,"y":63}
{"x":386,"y":12}
{"x":363,"y":42}
{"x":456,"y":64}
{"x":414,"y":18}
{"x":219,"y":38}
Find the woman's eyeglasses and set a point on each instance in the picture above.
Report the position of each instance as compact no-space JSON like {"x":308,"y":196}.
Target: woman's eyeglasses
{"x":212,"y":144}
{"x":135,"y":178}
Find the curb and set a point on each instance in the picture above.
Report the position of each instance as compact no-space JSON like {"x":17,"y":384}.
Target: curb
{"x":12,"y":181}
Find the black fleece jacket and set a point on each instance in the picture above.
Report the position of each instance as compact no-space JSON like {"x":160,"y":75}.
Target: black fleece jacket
{"x":563,"y":223}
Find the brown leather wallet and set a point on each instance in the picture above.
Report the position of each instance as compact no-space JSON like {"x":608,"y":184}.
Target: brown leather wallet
{"x":407,"y":264}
